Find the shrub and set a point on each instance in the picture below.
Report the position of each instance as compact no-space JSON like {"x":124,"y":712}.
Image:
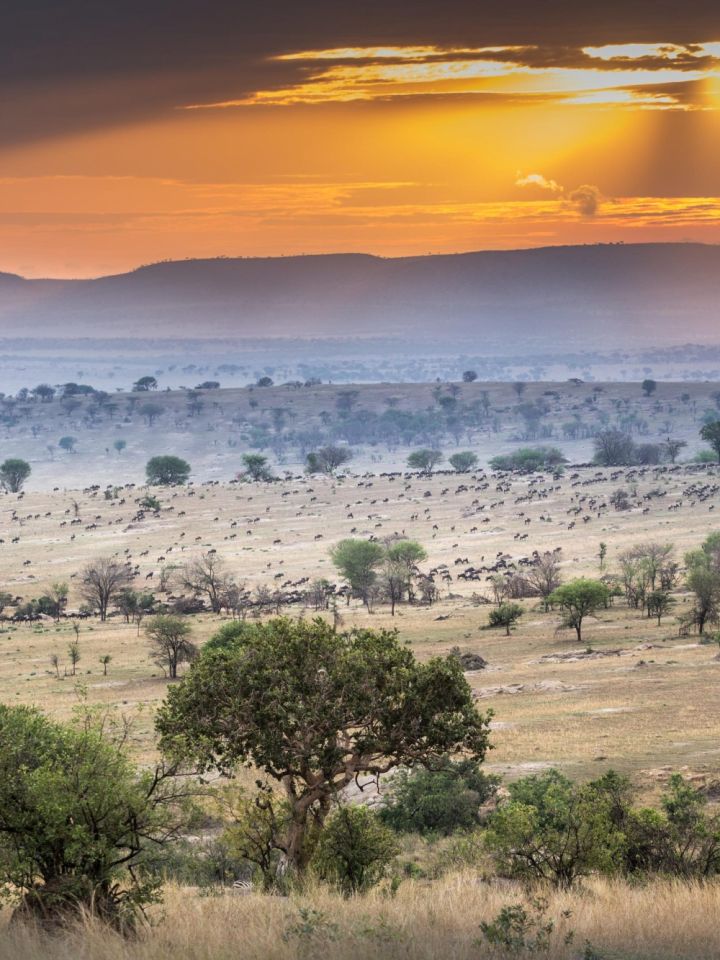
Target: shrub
{"x":354,"y":849}
{"x":463,"y":462}
{"x":505,"y":616}
{"x":75,"y":819}
{"x":13,"y":474}
{"x":553,"y":830}
{"x":441,"y":800}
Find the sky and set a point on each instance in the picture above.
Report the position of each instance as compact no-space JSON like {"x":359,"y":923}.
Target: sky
{"x":142,"y":131}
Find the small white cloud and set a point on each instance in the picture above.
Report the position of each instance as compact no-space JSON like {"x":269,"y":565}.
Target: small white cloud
{"x":538,"y":180}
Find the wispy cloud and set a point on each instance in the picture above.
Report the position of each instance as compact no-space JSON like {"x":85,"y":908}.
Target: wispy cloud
{"x":613,"y":75}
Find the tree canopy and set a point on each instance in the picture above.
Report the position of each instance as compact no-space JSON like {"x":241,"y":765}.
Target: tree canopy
{"x":13,"y":474}
{"x":313,"y":709}
{"x":167,"y":470}
{"x":579,"y":599}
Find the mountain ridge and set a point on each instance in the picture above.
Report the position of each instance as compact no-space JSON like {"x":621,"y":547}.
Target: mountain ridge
{"x":630,"y":290}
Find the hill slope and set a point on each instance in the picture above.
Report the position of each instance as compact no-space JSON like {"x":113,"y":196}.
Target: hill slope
{"x":585,"y":295}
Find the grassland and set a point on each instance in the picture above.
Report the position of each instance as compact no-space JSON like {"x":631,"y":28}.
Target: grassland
{"x":650,"y":706}
{"x":422,"y":921}
{"x":644,"y":703}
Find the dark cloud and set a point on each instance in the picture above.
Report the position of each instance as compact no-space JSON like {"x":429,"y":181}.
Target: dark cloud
{"x":69,"y":65}
{"x":586,"y":200}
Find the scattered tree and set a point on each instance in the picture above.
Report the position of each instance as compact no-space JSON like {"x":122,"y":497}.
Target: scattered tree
{"x":76,"y":819}
{"x":170,"y":642}
{"x":101,"y":582}
{"x":358,"y":562}
{"x":67,"y":444}
{"x":463,"y":462}
{"x":328,"y":459}
{"x":506,"y":615}
{"x":354,"y":849}
{"x":13,"y":474}
{"x":424,"y":460}
{"x":710,"y":433}
{"x":167,"y":471}
{"x":256,"y":467}
{"x":579,"y":599}
{"x":648,"y":387}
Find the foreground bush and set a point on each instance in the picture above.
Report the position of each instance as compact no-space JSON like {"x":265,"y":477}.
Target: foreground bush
{"x":554,"y":830}
{"x":75,"y":819}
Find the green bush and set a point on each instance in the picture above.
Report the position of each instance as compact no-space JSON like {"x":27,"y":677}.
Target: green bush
{"x":76,"y":819}
{"x":441,"y":801}
{"x":553,"y":830}
{"x":354,"y":849}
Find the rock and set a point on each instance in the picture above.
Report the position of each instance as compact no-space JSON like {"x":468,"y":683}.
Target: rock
{"x":469,"y":661}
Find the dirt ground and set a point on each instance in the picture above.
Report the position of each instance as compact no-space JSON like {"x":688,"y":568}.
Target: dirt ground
{"x":650,"y":706}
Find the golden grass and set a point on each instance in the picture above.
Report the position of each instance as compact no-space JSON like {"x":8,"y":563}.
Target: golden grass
{"x":422,"y":921}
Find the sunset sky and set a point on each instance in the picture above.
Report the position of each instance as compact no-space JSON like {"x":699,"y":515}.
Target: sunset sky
{"x":139,"y":131}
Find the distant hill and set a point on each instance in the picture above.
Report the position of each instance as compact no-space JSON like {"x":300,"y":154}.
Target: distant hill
{"x":582,"y":296}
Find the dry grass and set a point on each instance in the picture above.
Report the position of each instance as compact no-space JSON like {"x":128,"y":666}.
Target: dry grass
{"x":658,"y":921}
{"x":582,"y":716}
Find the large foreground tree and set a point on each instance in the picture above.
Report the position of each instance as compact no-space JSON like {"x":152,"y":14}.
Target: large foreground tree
{"x":314,"y":710}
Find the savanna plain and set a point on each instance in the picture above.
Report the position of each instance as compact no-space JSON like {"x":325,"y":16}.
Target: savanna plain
{"x":636,"y":692}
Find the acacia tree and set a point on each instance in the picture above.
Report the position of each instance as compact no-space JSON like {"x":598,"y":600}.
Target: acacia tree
{"x":614,"y":448}
{"x":424,"y":460}
{"x":648,"y":387}
{"x":506,"y":615}
{"x":170,"y":642}
{"x":150,"y":411}
{"x":328,"y":459}
{"x":671,"y":448}
{"x":208,"y":577}
{"x":314,"y":709}
{"x":710,"y":433}
{"x":256,"y":467}
{"x":579,"y":599}
{"x":13,"y":474}
{"x":703,"y":579}
{"x":464,"y":462}
{"x":167,"y":470}
{"x":358,"y":562}
{"x":544,"y":574}
{"x":102,"y":581}
{"x":403,"y":557}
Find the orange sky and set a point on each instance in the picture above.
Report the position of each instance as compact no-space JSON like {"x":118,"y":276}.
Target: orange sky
{"x":392,"y":150}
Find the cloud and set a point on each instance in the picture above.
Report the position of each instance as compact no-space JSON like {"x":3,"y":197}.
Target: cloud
{"x":585,"y":199}
{"x":538,"y":180}
{"x":76,"y":65}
